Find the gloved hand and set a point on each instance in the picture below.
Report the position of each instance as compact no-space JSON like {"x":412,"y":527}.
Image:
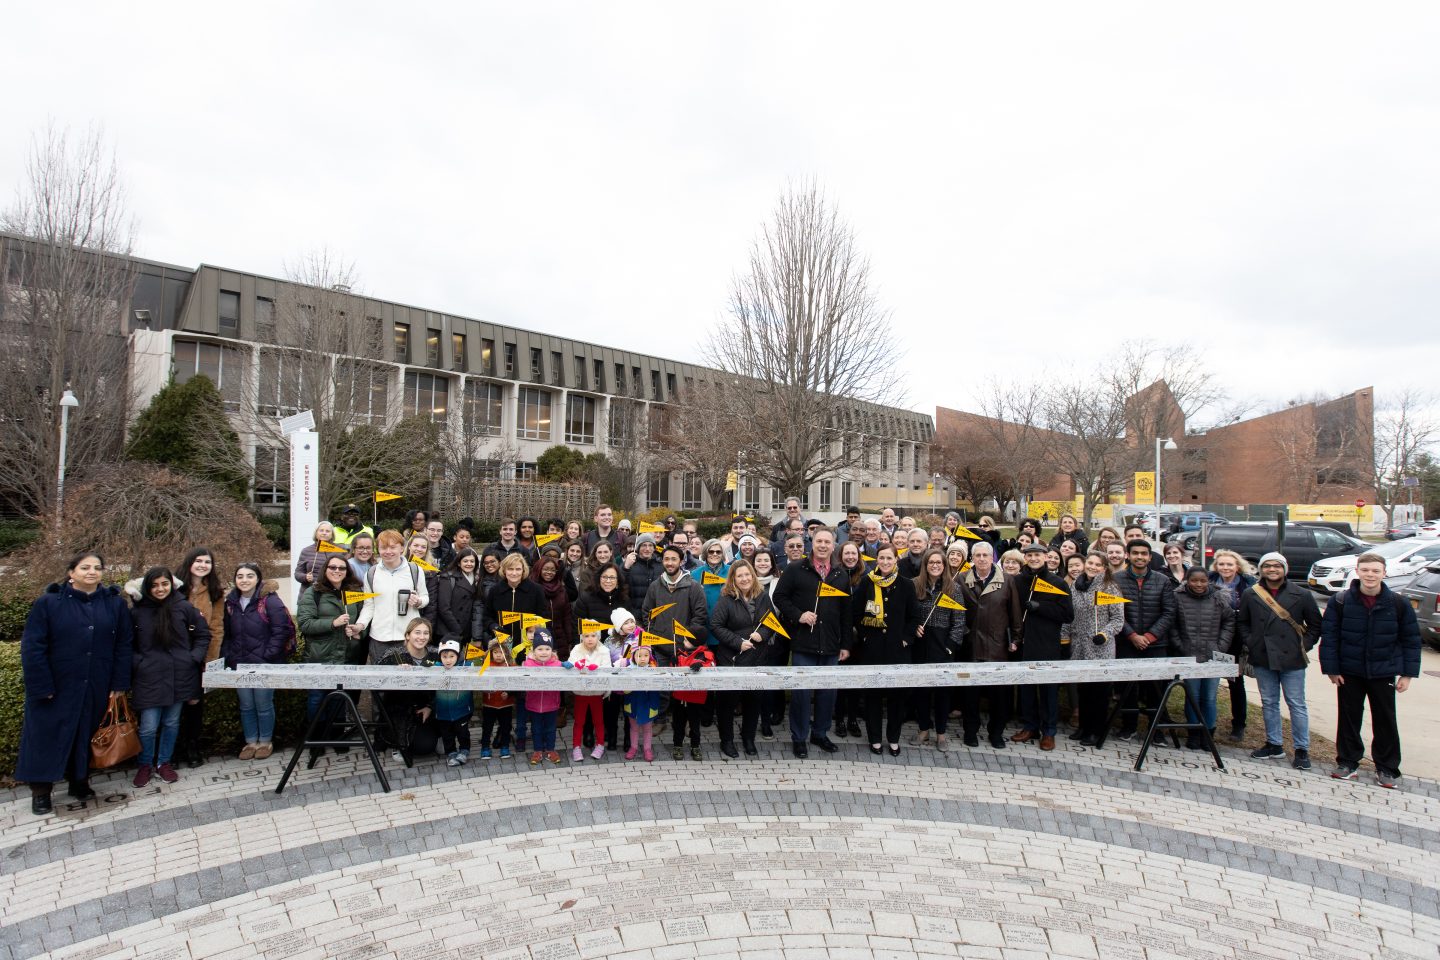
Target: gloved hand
{"x":592,"y":666}
{"x":1032,"y":605}
{"x":696,"y":666}
{"x":567,"y":664}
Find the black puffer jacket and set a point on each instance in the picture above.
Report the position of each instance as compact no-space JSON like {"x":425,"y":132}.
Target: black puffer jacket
{"x":160,"y":675}
{"x":1151,"y":610}
{"x":731,"y":623}
{"x":641,"y":574}
{"x":945,"y":630}
{"x":455,"y":607}
{"x":1203,"y":625}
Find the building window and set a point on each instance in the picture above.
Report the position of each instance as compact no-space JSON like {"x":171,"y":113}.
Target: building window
{"x":655,"y":393}
{"x":637,"y":387}
{"x":457,"y":352}
{"x":620,"y":379}
{"x":369,"y":390}
{"x":900,"y":458}
{"x":579,"y":419}
{"x":670,"y":385}
{"x":229,"y":325}
{"x":487,"y":357}
{"x":510,"y":360}
{"x":777,"y":501}
{"x":1195,"y":478}
{"x":537,"y":365}
{"x":557,"y":369}
{"x":532,"y":414}
{"x":690,"y":487}
{"x":526,"y":470}
{"x":580,"y":372}
{"x":752,"y":493}
{"x":282,"y":380}
{"x":265,"y":320}
{"x":847,"y":493}
{"x":625,"y":421}
{"x":600,"y":375}
{"x":825,"y":495}
{"x":402,"y":343}
{"x":432,"y":348}
{"x":659,"y":423}
{"x":657,"y":490}
{"x":484,"y":408}
{"x":884,"y":455}
{"x":427,"y":395}
{"x":272,"y":476}
{"x":225,"y":366}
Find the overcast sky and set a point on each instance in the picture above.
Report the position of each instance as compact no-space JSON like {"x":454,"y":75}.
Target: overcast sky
{"x":1032,"y":185}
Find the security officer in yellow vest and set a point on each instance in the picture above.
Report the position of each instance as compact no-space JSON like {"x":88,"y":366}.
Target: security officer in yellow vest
{"x":350,"y":526}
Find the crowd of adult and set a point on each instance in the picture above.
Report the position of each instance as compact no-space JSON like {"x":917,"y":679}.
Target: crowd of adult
{"x":879,"y":590}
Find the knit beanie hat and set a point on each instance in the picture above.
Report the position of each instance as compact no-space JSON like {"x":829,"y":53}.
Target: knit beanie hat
{"x":643,"y":539}
{"x":619,"y":615}
{"x":1278,"y":558}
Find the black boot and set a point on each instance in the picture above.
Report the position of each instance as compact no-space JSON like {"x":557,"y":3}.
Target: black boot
{"x":40,"y":804}
{"x":80,"y":790}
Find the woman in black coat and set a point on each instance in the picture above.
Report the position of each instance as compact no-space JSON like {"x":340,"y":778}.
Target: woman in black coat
{"x":740,"y":641}
{"x":515,"y":593}
{"x":74,"y":653}
{"x":171,"y":638}
{"x":886,"y":616}
{"x":937,"y":640}
{"x":598,"y":603}
{"x":455,"y":607}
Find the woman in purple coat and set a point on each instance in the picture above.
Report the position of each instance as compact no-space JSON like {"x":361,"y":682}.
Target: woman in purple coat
{"x":258,"y":629}
{"x":74,"y":653}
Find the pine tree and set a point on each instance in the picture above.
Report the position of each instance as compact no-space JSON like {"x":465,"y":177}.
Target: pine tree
{"x":185,"y":428}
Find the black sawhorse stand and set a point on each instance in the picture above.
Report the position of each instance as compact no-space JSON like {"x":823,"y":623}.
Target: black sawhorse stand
{"x":323,"y":720}
{"x":1172,"y":727}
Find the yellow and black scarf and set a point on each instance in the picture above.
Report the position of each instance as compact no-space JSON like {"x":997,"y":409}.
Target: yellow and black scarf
{"x":875,"y":608}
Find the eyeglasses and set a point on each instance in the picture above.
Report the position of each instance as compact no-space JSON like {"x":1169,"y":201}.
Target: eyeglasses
{"x":341,"y":569}
{"x":715,"y":553}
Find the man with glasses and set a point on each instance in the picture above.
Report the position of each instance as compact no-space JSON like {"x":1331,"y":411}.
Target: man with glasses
{"x":794,"y":552}
{"x":1278,"y":623}
{"x":819,"y":628}
{"x":792,"y":513}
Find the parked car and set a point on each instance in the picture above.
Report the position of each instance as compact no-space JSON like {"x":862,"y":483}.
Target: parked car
{"x":1402,"y":559}
{"x":1304,"y":544}
{"x":1185,"y":526}
{"x":1423,"y":592}
{"x":1402,"y":531}
{"x":1429,"y":529}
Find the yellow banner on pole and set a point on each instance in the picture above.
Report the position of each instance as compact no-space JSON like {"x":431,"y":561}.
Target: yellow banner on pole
{"x":948,"y":602}
{"x":352,"y":596}
{"x":381,"y":496}
{"x":326,"y":547}
{"x":1145,"y":487}
{"x":732,"y":480}
{"x":828,"y":591}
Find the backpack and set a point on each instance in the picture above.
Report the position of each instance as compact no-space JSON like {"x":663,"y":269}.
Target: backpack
{"x":414,"y":577}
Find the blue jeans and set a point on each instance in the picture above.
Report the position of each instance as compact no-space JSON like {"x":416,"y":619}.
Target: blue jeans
{"x":543,"y":728}
{"x":1292,"y":683}
{"x":800,"y":728}
{"x":166,"y":722}
{"x":257,"y":713}
{"x":1040,"y":708}
{"x":1203,"y":692}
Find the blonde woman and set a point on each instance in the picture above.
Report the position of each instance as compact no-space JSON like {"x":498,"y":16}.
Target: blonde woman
{"x":311,"y":566}
{"x":1233,"y":574}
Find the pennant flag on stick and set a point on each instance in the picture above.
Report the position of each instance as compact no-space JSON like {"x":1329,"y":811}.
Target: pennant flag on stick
{"x":323,"y":547}
{"x":473,"y":652}
{"x":545,"y":538}
{"x":1108,"y":599}
{"x":646,"y":527}
{"x":828,"y":591}
{"x":1045,"y":586}
{"x":659,"y":610}
{"x":680,"y":631}
{"x":532,"y":620}
{"x":593,"y":626}
{"x":510,"y":616}
{"x":381,"y":496}
{"x":711,"y":579}
{"x":352,"y":597}
{"x":651,"y":640}
{"x":485,"y":666}
{"x":949,"y":602}
{"x":962,"y":532}
{"x":424,"y":564}
{"x":773,"y":622}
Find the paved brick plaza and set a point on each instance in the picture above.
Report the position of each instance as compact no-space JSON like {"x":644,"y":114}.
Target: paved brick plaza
{"x":974,"y":853}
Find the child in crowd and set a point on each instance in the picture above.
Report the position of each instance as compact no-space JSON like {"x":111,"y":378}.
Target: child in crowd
{"x":643,"y":706}
{"x":589,"y":654}
{"x":496,"y":707}
{"x":542,"y":705}
{"x":618,"y":640}
{"x":687,"y":705}
{"x":453,"y":709}
{"x":625,"y":637}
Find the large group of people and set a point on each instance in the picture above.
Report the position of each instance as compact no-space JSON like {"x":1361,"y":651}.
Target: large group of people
{"x":560,"y":593}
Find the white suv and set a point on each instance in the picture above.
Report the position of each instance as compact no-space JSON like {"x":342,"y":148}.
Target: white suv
{"x":1402,"y":559}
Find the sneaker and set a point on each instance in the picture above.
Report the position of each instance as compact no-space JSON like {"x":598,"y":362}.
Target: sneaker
{"x":1268,"y":752}
{"x":451,"y":761}
{"x":767,"y":733}
{"x":142,"y":776}
{"x":1344,"y":771}
{"x":535,"y":759}
{"x":504,"y":753}
{"x":552,"y":756}
{"x":853,"y":727}
{"x":598,"y":752}
{"x":577,"y":754}
{"x":1302,"y":760}
{"x":840,"y":728}
{"x":677,"y":752}
{"x":696,"y":754}
{"x":484,"y":753}
{"x":1386,"y":779}
{"x":630,"y":753}
{"x":1126,"y":735}
{"x":167,"y":773}
{"x":649,"y":755}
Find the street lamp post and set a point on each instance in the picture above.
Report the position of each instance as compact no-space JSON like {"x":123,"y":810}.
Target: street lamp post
{"x":1169,"y":443}
{"x":67,"y":400}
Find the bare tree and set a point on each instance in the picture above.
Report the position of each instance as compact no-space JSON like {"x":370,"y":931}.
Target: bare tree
{"x":1090,"y":445}
{"x":631,"y":455}
{"x":1405,"y":428}
{"x":807,"y":339}
{"x":473,"y":458}
{"x":67,"y":290}
{"x":1013,"y":424}
{"x":327,"y":358}
{"x":700,"y":432}
{"x":973,"y":462}
{"x":1317,"y":442}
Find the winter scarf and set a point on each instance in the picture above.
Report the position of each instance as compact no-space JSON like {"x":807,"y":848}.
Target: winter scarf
{"x":875,"y":609}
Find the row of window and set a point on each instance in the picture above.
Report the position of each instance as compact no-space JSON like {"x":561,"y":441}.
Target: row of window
{"x":657,"y":493}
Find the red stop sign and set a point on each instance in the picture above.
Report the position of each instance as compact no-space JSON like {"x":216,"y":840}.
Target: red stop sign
{"x":1359,"y":504}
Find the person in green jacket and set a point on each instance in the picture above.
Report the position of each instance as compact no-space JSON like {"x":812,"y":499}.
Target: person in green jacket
{"x":327,"y":622}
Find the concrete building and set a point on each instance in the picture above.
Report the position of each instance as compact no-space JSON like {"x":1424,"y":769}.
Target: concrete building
{"x":521,"y":391}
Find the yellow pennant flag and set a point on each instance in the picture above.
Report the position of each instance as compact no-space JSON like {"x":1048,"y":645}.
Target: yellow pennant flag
{"x":646,"y":527}
{"x":773,"y":622}
{"x":1107,"y":599}
{"x":381,"y":496}
{"x":324,"y":547}
{"x":510,"y":616}
{"x":545,"y":538}
{"x":484,"y":666}
{"x":424,"y":564}
{"x":962,"y":532}
{"x":949,"y":602}
{"x":472,"y":652}
{"x":532,"y":620}
{"x":593,"y":626}
{"x":711,"y":579}
{"x":828,"y":591}
{"x":649,"y":639}
{"x":1045,"y":586}
{"x":352,"y":597}
{"x":502,"y":637}
{"x":659,"y":610}
{"x":965,"y":566}
{"x":680,"y":631}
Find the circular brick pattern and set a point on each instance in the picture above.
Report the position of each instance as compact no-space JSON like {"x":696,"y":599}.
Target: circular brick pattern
{"x":970,"y":853}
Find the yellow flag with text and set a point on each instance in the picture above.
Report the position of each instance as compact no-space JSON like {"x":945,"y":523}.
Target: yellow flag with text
{"x":381,"y":496}
{"x":949,"y":602}
{"x":1108,"y":599}
{"x":773,"y":622}
{"x":1045,"y":586}
{"x":324,"y":547}
{"x":828,"y":591}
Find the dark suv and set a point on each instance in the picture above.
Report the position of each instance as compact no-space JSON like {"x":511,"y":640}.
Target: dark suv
{"x":1423,"y":592}
{"x":1304,"y":544}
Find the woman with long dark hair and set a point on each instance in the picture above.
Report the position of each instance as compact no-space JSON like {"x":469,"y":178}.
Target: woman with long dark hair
{"x":849,"y":704}
{"x":1092,"y":635}
{"x":741,"y":641}
{"x":198,"y":580}
{"x":459,"y":585}
{"x":258,"y":629}
{"x":886,"y":616}
{"x":937,"y":640}
{"x":74,"y":654}
{"x":329,"y":625}
{"x":550,"y":576}
{"x":171,"y":638}
{"x":598,"y":604}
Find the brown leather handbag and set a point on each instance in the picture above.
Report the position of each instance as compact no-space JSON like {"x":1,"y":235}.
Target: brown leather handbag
{"x":118,"y":738}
